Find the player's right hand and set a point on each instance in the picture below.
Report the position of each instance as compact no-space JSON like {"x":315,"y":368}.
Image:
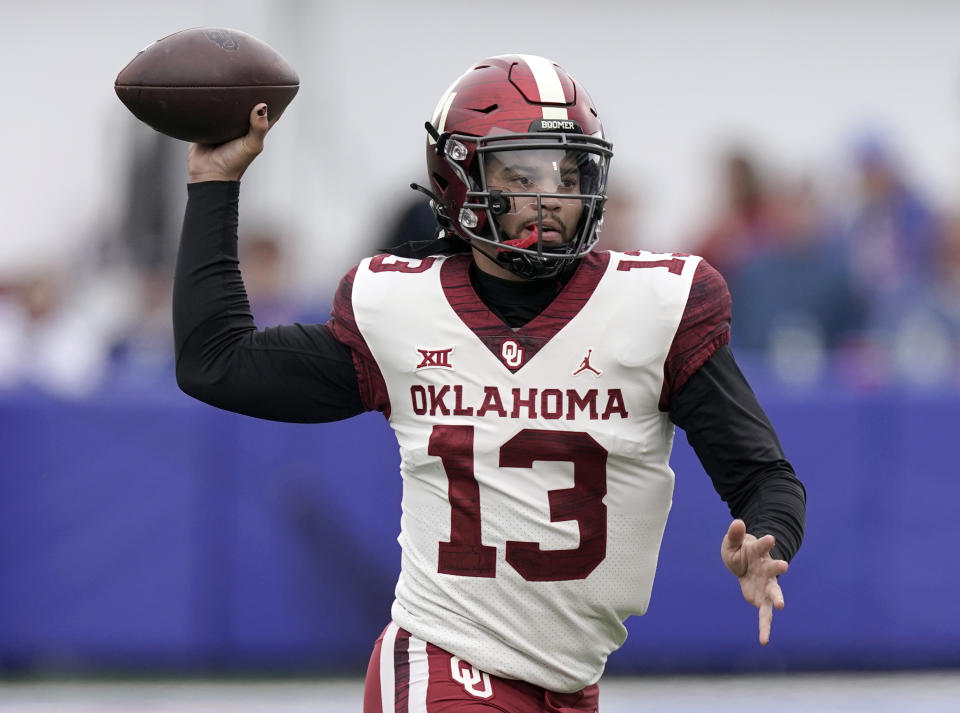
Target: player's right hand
{"x":748,"y":557}
{"x":227,"y":162}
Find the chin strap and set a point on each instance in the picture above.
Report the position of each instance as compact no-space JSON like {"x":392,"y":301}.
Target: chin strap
{"x":419,"y":249}
{"x":425,"y":191}
{"x":441,"y":215}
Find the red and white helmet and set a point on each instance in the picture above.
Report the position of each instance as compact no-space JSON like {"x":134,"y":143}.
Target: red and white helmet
{"x":515,"y":103}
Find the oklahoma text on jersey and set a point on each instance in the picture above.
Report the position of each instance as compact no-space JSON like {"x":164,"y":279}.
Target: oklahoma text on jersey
{"x":450,"y":400}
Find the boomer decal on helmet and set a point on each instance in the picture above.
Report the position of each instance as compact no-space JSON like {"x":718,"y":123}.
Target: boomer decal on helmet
{"x":518,"y":164}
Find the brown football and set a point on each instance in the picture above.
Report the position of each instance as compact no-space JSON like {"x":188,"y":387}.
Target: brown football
{"x":200,"y":84}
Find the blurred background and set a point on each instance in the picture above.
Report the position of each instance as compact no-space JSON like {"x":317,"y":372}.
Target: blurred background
{"x":810,"y":151}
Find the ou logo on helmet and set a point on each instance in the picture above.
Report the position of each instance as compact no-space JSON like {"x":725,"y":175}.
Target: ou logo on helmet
{"x":512,"y":353}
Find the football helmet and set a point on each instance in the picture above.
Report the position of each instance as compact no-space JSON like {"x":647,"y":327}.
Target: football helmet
{"x":518,"y":164}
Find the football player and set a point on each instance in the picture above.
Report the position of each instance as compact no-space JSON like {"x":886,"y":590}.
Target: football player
{"x":533,"y":385}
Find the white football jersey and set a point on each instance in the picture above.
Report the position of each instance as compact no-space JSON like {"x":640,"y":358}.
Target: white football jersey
{"x":535,"y":461}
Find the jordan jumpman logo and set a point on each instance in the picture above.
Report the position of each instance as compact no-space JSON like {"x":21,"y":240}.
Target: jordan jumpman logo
{"x":585,"y":365}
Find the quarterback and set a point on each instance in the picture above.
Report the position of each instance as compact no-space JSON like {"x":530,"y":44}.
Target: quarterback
{"x":533,"y":385}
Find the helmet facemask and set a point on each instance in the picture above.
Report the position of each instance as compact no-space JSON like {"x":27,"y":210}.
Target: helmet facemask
{"x":535,"y":200}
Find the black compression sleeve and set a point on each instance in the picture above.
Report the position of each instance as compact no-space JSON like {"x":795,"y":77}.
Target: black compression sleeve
{"x":740,"y":451}
{"x":298,"y":373}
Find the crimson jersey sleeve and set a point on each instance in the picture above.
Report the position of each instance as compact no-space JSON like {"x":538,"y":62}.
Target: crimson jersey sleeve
{"x":343,"y":326}
{"x":704,"y":328}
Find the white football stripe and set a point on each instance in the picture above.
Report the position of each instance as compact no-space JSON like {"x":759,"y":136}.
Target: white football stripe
{"x":419,"y":676}
{"x":548,"y":85}
{"x":443,"y":100}
{"x":443,"y":114}
{"x":387,"y":693}
{"x":443,"y":106}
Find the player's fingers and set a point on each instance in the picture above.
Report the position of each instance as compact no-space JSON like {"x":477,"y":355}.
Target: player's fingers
{"x":736,"y":533}
{"x":774,"y":595}
{"x":766,"y":620}
{"x":762,"y":547}
{"x":259,"y":126}
{"x":767,"y":570}
{"x":260,"y":118}
{"x":731,"y":549}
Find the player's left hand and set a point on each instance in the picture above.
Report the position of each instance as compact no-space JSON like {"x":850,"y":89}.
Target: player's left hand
{"x":749,"y":559}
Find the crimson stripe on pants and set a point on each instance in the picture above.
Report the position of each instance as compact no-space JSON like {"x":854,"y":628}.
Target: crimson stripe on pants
{"x":401,"y":672}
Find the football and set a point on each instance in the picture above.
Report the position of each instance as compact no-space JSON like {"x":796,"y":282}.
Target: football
{"x":201,"y":84}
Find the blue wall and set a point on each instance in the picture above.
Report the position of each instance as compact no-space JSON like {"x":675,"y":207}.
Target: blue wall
{"x":140,"y":530}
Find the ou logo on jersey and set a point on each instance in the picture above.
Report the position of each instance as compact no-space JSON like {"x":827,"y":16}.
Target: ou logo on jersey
{"x":512,"y":353}
{"x":470,"y":678}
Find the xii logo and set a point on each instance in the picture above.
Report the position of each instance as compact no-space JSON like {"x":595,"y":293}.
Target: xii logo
{"x":435,"y":358}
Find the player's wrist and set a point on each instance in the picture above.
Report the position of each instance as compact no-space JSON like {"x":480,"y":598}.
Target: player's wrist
{"x":212,"y":176}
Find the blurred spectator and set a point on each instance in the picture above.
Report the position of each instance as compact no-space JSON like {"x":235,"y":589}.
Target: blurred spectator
{"x":926,"y":339}
{"x":56,"y":329}
{"x":102,"y":315}
{"x":744,"y":220}
{"x":889,"y":233}
{"x":945,"y":286}
{"x":138,"y":253}
{"x":143,"y":350}
{"x":266,"y":275}
{"x":795,"y":295}
{"x":890,"y":236}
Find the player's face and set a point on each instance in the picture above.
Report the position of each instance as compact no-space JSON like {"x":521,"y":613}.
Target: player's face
{"x":549,"y":171}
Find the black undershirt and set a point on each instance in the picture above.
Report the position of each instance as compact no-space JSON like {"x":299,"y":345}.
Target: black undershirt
{"x":515,"y":302}
{"x":301,"y":373}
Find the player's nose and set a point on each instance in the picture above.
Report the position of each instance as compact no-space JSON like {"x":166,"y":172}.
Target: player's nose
{"x":551,"y":202}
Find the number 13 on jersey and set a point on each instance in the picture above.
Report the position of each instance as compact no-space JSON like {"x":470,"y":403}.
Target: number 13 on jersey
{"x":465,"y":554}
